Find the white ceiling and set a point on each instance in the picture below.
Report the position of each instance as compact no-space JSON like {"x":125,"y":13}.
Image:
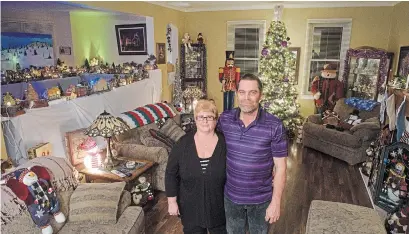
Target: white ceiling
{"x":195,"y":6}
{"x":11,"y":9}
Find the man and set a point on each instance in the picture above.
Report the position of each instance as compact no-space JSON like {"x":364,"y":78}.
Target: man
{"x":256,"y":142}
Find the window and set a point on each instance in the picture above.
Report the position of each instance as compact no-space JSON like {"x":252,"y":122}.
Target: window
{"x":327,"y":42}
{"x":246,"y":38}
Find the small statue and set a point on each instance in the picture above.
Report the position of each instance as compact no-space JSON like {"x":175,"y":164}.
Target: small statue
{"x":186,"y":41}
{"x":142,"y":193}
{"x":200,"y":38}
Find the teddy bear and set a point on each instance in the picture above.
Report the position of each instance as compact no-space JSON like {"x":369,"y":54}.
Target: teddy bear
{"x":327,"y":89}
{"x":32,"y":185}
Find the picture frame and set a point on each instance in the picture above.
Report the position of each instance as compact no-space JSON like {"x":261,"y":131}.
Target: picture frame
{"x":65,"y":50}
{"x":73,"y":140}
{"x":131,"y":39}
{"x":403,"y":62}
{"x":297,"y":52}
{"x":160,"y":53}
{"x":387,"y":197}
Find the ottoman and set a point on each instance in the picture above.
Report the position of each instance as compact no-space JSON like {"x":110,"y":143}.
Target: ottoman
{"x":326,"y":217}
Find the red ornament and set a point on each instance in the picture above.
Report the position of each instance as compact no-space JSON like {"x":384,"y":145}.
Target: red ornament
{"x":50,"y":190}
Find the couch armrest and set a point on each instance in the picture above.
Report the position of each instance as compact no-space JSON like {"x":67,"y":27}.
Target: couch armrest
{"x":315,"y":119}
{"x":158,"y":155}
{"x":124,"y":202}
{"x":365,"y":125}
{"x":366,"y":134}
{"x":131,"y":221}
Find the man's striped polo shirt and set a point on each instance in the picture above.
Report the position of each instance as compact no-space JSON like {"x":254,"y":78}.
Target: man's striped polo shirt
{"x":250,"y":152}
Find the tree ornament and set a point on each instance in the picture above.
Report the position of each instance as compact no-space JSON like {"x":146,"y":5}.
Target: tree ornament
{"x":265,"y":52}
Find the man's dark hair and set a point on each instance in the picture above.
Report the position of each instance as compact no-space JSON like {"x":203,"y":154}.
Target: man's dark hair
{"x":250,"y":76}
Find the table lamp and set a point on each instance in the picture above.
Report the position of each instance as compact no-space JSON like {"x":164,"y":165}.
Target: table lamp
{"x":107,"y":126}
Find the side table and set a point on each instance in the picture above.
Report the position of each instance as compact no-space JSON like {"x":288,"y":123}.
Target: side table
{"x":105,"y":175}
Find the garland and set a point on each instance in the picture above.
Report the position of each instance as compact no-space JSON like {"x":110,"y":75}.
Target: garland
{"x":168,"y":35}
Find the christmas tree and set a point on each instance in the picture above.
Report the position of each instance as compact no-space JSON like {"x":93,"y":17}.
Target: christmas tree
{"x":277,"y":73}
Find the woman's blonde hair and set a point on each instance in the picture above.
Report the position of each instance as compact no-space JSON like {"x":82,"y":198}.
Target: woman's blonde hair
{"x":206,"y":106}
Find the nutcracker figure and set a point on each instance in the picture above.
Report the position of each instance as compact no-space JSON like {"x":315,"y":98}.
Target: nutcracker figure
{"x":229,"y":76}
{"x":327,"y":89}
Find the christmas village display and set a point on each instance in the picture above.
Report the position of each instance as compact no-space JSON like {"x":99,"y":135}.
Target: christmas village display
{"x":124,"y":74}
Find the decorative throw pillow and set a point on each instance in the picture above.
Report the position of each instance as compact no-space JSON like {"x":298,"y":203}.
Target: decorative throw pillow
{"x":147,"y":114}
{"x":161,"y":137}
{"x":330,"y":118}
{"x":131,"y":137}
{"x":96,"y":203}
{"x":172,"y":130}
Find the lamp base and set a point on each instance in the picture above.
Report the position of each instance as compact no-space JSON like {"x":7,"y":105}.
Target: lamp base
{"x":110,"y":163}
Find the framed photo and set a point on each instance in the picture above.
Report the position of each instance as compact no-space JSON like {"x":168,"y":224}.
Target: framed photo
{"x":391,"y":184}
{"x":296,"y":51}
{"x":72,"y":141}
{"x":403,"y":62}
{"x":65,"y":50}
{"x":160,"y":53}
{"x":131,"y":39}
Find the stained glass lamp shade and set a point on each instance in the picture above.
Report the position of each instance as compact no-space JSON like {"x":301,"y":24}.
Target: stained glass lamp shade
{"x":107,"y":126}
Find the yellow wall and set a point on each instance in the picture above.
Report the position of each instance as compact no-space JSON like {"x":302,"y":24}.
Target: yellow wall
{"x":213,"y":26}
{"x":4,"y":155}
{"x":382,"y":27}
{"x":161,"y":16}
{"x":399,"y":34}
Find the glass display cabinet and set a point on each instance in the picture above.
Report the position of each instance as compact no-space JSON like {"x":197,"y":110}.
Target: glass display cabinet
{"x":193,"y":66}
{"x":366,"y":70}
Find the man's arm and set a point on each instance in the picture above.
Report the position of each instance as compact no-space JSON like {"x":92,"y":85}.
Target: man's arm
{"x":279,"y":146}
{"x":279,"y":179}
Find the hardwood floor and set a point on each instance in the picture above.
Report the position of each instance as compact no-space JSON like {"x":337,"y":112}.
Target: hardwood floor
{"x":311,"y":175}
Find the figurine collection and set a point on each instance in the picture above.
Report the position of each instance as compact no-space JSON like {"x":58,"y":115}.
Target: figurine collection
{"x":124,"y":74}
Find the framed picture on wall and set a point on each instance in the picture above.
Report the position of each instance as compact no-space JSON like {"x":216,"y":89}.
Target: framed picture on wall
{"x":296,"y":51}
{"x":65,"y":50}
{"x":403,"y":63}
{"x":160,"y":53}
{"x":131,"y":39}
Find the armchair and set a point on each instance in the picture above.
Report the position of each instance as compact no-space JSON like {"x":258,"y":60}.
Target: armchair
{"x":348,"y":145}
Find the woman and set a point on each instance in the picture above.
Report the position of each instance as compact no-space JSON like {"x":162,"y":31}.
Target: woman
{"x":195,"y":175}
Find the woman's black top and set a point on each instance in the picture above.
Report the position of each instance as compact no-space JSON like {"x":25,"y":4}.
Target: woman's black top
{"x":200,"y":196}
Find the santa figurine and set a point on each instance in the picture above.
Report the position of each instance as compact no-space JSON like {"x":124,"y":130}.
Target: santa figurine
{"x":229,"y":76}
{"x":327,"y":89}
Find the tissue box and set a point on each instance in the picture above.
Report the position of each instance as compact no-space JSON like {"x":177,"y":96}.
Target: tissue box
{"x":40,"y":150}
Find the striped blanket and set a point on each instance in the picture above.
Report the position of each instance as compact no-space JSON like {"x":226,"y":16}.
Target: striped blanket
{"x":63,"y":177}
{"x":147,"y":114}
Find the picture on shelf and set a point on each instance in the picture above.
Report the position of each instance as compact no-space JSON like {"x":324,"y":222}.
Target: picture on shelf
{"x":403,"y":63}
{"x":131,"y":39}
{"x":65,"y":50}
{"x":160,"y":53}
{"x":26,"y":49}
{"x":297,"y":52}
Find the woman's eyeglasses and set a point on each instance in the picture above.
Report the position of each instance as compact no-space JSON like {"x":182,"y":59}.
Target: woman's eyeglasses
{"x":207,"y":118}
